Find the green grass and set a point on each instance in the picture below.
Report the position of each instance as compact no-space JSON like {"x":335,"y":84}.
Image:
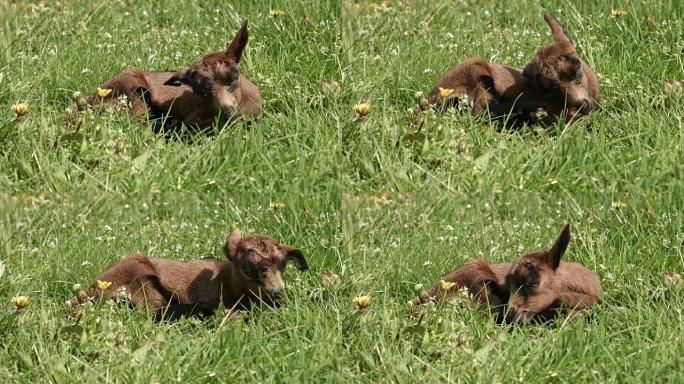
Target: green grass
{"x":383,"y":216}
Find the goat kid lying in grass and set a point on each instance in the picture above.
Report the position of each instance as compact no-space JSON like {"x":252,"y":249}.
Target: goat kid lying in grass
{"x":555,"y":83}
{"x":170,"y":289}
{"x":500,"y":90}
{"x":211,"y":90}
{"x":538,"y":286}
{"x":561,"y":74}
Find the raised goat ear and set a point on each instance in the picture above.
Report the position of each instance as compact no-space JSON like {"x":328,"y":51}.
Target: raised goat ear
{"x":557,"y":30}
{"x":234,"y":51}
{"x":178,"y":78}
{"x":231,"y":246}
{"x":296,"y":256}
{"x":554,"y":255}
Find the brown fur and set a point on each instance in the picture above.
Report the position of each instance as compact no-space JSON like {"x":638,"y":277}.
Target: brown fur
{"x":556,"y":82}
{"x":210,"y":90}
{"x":541,"y":285}
{"x":501,"y":90}
{"x":253,"y":273}
{"x":484,"y":281}
{"x":558,"y":70}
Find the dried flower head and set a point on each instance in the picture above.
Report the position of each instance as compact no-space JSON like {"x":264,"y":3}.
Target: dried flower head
{"x":82,"y":296}
{"x":362,"y":109}
{"x":362,"y":302}
{"x":619,"y":12}
{"x":619,"y":205}
{"x":20,"y":302}
{"x":20,"y":109}
{"x":278,"y":205}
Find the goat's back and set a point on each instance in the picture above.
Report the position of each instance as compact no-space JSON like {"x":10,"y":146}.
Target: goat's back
{"x":577,"y":285}
{"x":192,"y":281}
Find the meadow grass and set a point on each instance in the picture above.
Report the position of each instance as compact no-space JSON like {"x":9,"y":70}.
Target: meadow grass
{"x":381,"y":212}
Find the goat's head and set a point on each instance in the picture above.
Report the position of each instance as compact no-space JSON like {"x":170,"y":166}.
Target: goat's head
{"x":557,"y":69}
{"x":530,"y":281}
{"x":259,"y":263}
{"x":216,"y":76}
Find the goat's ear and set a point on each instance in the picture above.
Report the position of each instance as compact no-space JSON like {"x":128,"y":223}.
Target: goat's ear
{"x":232,"y":242}
{"x":178,"y":78}
{"x":554,"y":255}
{"x":296,"y":256}
{"x":234,"y":51}
{"x":488,"y":83}
{"x":500,"y":291}
{"x":575,"y":64}
{"x":557,"y":30}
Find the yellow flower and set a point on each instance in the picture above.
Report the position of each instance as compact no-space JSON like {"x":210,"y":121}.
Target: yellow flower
{"x":619,"y":12}
{"x":446,"y":285}
{"x":102,"y":285}
{"x":362,"y":302}
{"x":277,"y":12}
{"x":20,"y":109}
{"x":362,"y":109}
{"x":619,"y":205}
{"x":103,"y":92}
{"x":445,"y":92}
{"x":278,"y":205}
{"x":20,"y":302}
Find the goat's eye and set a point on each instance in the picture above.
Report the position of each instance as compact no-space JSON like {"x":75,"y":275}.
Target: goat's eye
{"x":250,"y":270}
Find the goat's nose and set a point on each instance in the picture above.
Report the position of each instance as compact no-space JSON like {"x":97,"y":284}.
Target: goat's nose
{"x":276,"y":298}
{"x":518,"y":316}
{"x":231,"y":112}
{"x":587,"y":106}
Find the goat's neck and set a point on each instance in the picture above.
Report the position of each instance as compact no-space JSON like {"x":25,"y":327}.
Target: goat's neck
{"x":233,"y":289}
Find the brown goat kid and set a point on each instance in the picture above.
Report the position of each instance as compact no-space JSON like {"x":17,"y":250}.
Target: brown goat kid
{"x":501,"y":90}
{"x":538,"y":286}
{"x":211,"y":90}
{"x":556,"y":82}
{"x":171,"y":289}
{"x":484,"y":281}
{"x":542,"y":286}
{"x":561,"y":74}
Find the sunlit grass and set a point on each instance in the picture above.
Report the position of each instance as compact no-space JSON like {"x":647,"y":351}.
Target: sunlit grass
{"x":337,"y":168}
